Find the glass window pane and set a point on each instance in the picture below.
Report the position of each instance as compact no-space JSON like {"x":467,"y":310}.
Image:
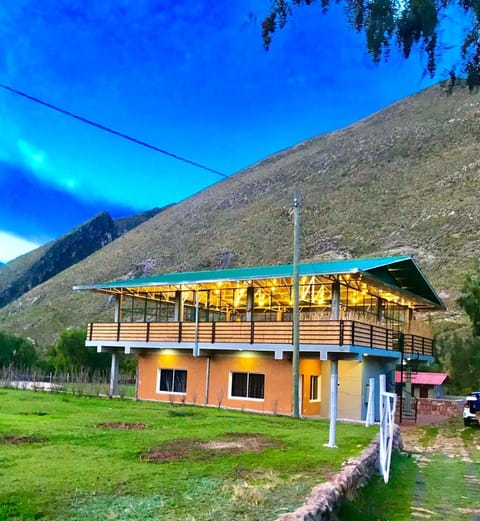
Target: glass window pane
{"x":239,"y":384}
{"x":180,"y":381}
{"x":166,"y":380}
{"x":256,"y":383}
{"x":314,"y":388}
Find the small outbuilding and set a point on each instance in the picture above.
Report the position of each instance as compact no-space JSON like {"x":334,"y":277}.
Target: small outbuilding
{"x":424,"y":385}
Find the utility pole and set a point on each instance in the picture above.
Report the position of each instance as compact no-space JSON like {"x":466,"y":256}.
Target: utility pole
{"x":296,"y":306}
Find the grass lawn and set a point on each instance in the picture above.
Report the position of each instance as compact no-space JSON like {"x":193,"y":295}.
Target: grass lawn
{"x":67,"y":457}
{"x":439,"y":478}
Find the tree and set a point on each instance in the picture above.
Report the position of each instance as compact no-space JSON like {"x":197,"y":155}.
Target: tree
{"x":459,"y":353}
{"x":469,"y":299}
{"x":70,"y":354}
{"x":459,"y":350}
{"x":408,"y":22}
{"x":17,"y":351}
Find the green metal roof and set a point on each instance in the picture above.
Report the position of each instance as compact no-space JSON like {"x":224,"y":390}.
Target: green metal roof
{"x":396,"y":272}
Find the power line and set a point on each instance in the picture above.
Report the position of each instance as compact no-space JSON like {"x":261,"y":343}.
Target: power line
{"x":117,"y":133}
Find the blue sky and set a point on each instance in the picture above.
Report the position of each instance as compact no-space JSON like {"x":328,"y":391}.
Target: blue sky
{"x":190,"y":77}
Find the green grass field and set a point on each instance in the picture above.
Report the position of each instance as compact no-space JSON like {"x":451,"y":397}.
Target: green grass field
{"x":69,"y":457}
{"x":438,"y":478}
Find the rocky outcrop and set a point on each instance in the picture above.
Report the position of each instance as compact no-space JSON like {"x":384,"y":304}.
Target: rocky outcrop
{"x":30,"y":270}
{"x":57,"y":256}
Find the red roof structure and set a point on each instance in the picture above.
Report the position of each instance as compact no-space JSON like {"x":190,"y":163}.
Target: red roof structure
{"x":422,"y":378}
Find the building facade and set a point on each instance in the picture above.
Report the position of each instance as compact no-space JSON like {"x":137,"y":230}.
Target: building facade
{"x":225,"y":338}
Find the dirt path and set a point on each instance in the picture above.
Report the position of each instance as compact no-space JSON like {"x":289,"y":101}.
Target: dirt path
{"x":447,"y":484}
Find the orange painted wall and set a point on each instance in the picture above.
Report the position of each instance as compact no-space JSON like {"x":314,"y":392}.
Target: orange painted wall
{"x":148,"y":365}
{"x":278,"y":380}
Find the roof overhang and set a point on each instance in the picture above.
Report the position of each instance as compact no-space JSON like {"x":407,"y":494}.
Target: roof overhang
{"x":396,"y":274}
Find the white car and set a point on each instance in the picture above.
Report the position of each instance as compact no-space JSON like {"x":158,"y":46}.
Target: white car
{"x":471,"y":409}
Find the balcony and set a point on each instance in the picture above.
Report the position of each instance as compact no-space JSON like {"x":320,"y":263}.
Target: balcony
{"x":214,"y":334}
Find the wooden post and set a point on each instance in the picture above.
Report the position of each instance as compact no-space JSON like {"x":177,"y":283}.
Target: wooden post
{"x":250,"y":304}
{"x":118,"y":310}
{"x":335,"y":311}
{"x":178,"y":311}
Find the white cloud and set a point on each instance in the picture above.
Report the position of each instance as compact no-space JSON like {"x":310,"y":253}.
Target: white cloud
{"x":12,"y":246}
{"x":33,"y":157}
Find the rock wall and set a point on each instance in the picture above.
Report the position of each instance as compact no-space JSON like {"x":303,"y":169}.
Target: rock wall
{"x":324,"y":500}
{"x":440,"y":407}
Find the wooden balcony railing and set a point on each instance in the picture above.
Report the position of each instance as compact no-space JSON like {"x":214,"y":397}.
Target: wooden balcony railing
{"x":321,"y":332}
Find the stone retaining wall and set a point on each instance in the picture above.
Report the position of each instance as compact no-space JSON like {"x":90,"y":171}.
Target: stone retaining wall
{"x":440,"y":407}
{"x":324,"y":500}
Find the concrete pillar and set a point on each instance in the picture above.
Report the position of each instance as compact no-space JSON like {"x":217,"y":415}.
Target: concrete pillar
{"x":114,"y":374}
{"x":382,"y":385}
{"x":178,"y":312}
{"x":370,"y":416}
{"x":333,"y":403}
{"x":335,"y":312}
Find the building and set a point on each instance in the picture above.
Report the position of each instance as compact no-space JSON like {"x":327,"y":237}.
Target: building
{"x":422,"y":384}
{"x":224,"y":337}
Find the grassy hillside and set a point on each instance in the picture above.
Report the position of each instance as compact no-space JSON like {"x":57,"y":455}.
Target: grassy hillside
{"x":405,"y":180}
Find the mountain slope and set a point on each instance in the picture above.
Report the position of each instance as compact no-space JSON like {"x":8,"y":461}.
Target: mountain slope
{"x":43,"y":263}
{"x":405,"y":180}
{"x":39,"y":265}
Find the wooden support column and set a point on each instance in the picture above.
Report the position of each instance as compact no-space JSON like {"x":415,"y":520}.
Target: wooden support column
{"x":380,"y":310}
{"x":409,"y":319}
{"x":335,"y":312}
{"x":178,"y":312}
{"x":250,"y":303}
{"x":118,"y":309}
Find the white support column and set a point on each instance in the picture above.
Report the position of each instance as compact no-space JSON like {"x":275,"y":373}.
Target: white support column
{"x":370,"y":417}
{"x":333,"y":404}
{"x":335,"y":312}
{"x":382,"y":383}
{"x":114,"y":374}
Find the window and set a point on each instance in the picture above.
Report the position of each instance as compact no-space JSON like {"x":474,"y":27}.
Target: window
{"x":315,"y":389}
{"x":248,"y":385}
{"x":172,"y":381}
